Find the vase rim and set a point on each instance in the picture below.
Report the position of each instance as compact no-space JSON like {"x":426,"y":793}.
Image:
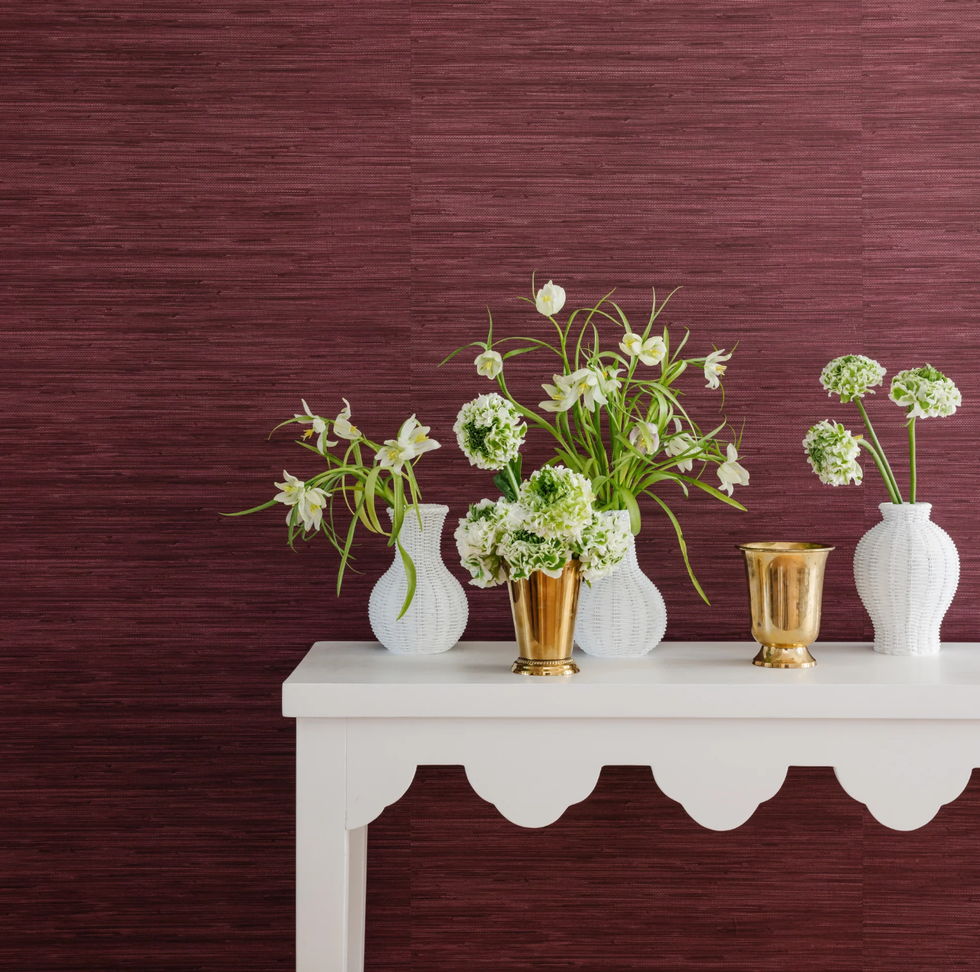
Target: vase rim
{"x":888,"y":506}
{"x":423,"y":507}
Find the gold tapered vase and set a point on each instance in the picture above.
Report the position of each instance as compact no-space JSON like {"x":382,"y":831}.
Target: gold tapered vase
{"x":544,"y":619}
{"x":785,"y":596}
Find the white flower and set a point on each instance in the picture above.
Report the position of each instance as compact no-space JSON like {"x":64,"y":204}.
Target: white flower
{"x":490,"y":431}
{"x":587,"y":383}
{"x":731,"y":473}
{"x":526,"y":551}
{"x":851,"y":376}
{"x":832,"y":453}
{"x":556,"y":501}
{"x":678,"y":444}
{"x":308,"y":501}
{"x":926,"y":392}
{"x":713,"y":370}
{"x":650,"y":352}
{"x":489,"y":363}
{"x":550,"y":299}
{"x":562,"y":395}
{"x":413,"y":440}
{"x":608,"y":380}
{"x":319,"y":426}
{"x":646,"y":437}
{"x":342,"y":424}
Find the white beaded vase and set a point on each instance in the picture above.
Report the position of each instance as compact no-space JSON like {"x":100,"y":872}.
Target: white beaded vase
{"x":437,"y":615}
{"x":906,"y":570}
{"x":622,"y":615}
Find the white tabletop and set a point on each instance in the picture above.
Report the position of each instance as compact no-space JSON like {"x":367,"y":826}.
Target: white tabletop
{"x":692,"y":679}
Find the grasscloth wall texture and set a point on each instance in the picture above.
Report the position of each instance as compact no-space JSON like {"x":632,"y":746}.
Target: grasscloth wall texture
{"x":209,"y":211}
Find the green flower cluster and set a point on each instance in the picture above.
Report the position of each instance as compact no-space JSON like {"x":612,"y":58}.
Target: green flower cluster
{"x":832,"y":453}
{"x":925,"y":392}
{"x":604,"y":544}
{"x":556,"y":502}
{"x":477,"y":538}
{"x":497,"y":540}
{"x":490,"y":431}
{"x":851,"y":376}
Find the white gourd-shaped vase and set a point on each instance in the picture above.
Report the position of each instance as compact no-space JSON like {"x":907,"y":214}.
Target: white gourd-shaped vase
{"x":622,"y":615}
{"x":906,"y":570}
{"x":435,"y":620}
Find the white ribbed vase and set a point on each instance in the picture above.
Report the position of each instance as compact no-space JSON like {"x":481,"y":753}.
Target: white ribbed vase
{"x":622,"y":615}
{"x":906,"y":570}
{"x":437,"y":616}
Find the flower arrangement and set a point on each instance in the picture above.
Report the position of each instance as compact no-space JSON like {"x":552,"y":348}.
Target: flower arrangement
{"x":551,"y":521}
{"x":365,"y":472}
{"x":832,"y":450}
{"x":620,"y":427}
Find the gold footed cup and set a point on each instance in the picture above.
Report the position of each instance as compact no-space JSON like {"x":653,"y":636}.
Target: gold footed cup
{"x":544,"y":611}
{"x":785,"y":596}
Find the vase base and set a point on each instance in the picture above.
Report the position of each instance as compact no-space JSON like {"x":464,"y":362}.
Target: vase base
{"x":544,"y":666}
{"x":770,"y":657}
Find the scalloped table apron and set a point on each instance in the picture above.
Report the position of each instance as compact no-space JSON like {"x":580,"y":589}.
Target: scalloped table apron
{"x":902,"y":734}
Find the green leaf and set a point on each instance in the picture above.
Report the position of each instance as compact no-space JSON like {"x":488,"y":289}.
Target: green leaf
{"x":629,"y":503}
{"x":682,"y":545}
{"x":254,"y":509}
{"x":345,"y":555}
{"x":472,"y":344}
{"x":410,"y":574}
{"x":370,"y":487}
{"x":711,"y":491}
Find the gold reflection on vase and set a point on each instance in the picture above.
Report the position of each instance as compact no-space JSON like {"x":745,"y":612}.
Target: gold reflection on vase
{"x":785,"y":595}
{"x":544,"y":611}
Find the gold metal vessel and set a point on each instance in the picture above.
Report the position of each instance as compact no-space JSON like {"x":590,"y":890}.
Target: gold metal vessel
{"x":544,"y":611}
{"x":785,"y":595}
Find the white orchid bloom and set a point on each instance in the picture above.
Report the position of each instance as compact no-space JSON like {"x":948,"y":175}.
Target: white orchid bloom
{"x":414,"y":437}
{"x":489,"y":363}
{"x":342,"y":424}
{"x":309,"y":501}
{"x":586,"y":382}
{"x":646,"y":437}
{"x":731,"y":473}
{"x":561,"y":395}
{"x":608,"y":380}
{"x":678,"y":444}
{"x":713,"y":370}
{"x":650,"y":352}
{"x":319,"y":426}
{"x":392,"y":455}
{"x":550,"y":299}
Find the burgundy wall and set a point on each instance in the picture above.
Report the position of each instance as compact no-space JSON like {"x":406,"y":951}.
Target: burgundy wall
{"x":210,"y":211}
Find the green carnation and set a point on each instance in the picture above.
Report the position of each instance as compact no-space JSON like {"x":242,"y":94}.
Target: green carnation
{"x":603,"y":546}
{"x":832,"y":453}
{"x":525,"y":552}
{"x":490,"y":431}
{"x":925,"y":392}
{"x":852,"y":376}
{"x":556,"y":502}
{"x":477,"y":537}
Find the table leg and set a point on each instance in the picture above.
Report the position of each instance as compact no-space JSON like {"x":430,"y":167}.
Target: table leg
{"x":330,"y":860}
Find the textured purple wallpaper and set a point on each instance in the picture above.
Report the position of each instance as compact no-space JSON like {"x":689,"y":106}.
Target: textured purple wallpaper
{"x":210,"y":211}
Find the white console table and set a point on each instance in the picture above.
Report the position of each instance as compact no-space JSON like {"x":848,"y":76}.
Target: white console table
{"x":902,"y":734}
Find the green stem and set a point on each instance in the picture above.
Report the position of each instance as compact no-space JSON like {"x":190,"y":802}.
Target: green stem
{"x":912,"y":460}
{"x":892,"y":491}
{"x":886,"y":470}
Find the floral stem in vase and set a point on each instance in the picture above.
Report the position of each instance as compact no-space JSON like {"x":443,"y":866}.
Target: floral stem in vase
{"x":886,"y":470}
{"x":881,"y":463}
{"x":912,"y":459}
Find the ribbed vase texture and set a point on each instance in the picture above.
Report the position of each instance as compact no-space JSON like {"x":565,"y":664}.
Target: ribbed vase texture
{"x":437,"y":616}
{"x":622,"y":615}
{"x":906,"y":570}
